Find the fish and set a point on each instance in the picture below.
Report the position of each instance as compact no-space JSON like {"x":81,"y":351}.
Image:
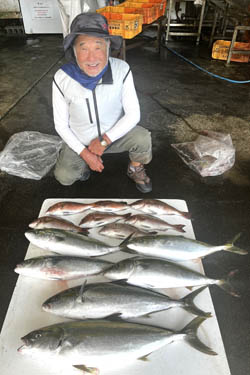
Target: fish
{"x":56,"y":267}
{"x":146,"y":222}
{"x":94,"y":345}
{"x":122,"y":231}
{"x":56,"y":223}
{"x":157,"y":207}
{"x":67,"y":208}
{"x":68,"y":243}
{"x":98,"y":219}
{"x":177,"y":248}
{"x":109,"y":206}
{"x":158,"y":273}
{"x":117,"y":300}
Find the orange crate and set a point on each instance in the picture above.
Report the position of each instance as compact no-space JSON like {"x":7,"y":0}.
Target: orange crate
{"x":160,"y":4}
{"x":221,"y":48}
{"x":148,"y":11}
{"x":125,"y":25}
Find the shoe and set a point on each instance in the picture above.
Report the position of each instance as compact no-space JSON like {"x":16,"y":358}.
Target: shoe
{"x":85,"y":176}
{"x":139,"y":176}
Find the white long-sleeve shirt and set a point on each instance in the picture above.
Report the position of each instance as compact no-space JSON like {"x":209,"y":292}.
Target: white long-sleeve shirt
{"x":74,"y":106}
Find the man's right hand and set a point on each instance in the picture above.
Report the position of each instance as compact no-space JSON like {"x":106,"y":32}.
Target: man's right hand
{"x":94,"y":162}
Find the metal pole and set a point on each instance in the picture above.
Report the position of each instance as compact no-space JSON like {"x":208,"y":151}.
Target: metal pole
{"x":216,"y":13}
{"x":169,"y":19}
{"x":232,"y":45}
{"x":201,"y":21}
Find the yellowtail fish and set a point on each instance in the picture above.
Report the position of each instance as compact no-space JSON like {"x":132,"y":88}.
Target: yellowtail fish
{"x":177,"y":248}
{"x":94,"y":345}
{"x":115,"y":299}
{"x":68,"y":243}
{"x":57,"y":267}
{"x":159,"y":273}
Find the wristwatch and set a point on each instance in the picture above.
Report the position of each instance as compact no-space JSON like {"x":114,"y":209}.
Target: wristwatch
{"x":104,"y":143}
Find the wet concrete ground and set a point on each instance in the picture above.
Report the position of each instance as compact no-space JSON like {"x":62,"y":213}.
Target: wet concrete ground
{"x":177,"y":100}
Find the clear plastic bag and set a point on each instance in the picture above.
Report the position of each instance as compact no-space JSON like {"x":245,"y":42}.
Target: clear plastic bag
{"x":30,"y":154}
{"x":211,"y":154}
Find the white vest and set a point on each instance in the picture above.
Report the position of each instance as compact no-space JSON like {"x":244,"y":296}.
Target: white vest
{"x":82,"y":113}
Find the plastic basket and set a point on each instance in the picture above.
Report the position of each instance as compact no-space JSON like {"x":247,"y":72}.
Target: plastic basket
{"x":123,"y":24}
{"x":160,"y":5}
{"x":148,"y":11}
{"x":221,"y":48}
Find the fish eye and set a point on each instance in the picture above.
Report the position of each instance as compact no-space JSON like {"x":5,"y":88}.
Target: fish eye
{"x":38,"y":335}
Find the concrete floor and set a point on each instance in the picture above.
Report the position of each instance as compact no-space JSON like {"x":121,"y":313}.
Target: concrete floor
{"x":177,"y":100}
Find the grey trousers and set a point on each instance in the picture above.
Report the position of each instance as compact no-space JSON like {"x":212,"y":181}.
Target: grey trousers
{"x":70,"y":167}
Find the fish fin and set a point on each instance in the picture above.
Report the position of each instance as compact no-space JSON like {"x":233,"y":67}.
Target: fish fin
{"x":126,"y":216}
{"x":179,"y":228}
{"x":124,"y":242}
{"x":80,"y":298}
{"x":226,"y":285}
{"x":84,"y":231}
{"x":128,"y":250}
{"x":89,"y":370}
{"x":152,"y":233}
{"x":190,"y":330}
{"x":114,"y":317}
{"x":191,"y":307}
{"x":144,"y":358}
{"x":234,"y":249}
{"x":120,"y":282}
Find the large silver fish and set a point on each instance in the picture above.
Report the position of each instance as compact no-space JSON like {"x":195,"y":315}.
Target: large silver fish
{"x":68,"y":208}
{"x":55,"y":223}
{"x":98,"y":219}
{"x":177,"y":248}
{"x":120,"y":300}
{"x":157,"y":207}
{"x":61,"y":267}
{"x":147,"y":222}
{"x":109,"y":206}
{"x":68,"y":243}
{"x":96,"y":344}
{"x":159,"y":273}
{"x":122,"y":231}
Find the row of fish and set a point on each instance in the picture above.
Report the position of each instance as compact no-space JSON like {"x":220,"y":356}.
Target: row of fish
{"x":92,"y":344}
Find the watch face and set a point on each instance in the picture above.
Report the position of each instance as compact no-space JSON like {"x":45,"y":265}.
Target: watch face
{"x":103,"y":142}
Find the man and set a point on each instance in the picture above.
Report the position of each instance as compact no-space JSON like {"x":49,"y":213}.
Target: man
{"x":95,"y":106}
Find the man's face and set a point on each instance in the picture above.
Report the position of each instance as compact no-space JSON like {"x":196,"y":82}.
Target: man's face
{"x":91,"y":54}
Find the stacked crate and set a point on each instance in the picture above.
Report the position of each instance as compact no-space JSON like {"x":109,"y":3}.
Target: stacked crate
{"x":127,"y":18}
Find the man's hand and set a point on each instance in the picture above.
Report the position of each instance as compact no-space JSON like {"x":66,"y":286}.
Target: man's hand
{"x":94,"y":161}
{"x":95,"y":145}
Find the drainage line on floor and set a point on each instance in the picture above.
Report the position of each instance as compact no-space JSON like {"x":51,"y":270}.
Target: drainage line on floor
{"x":29,"y":89}
{"x":202,"y":69}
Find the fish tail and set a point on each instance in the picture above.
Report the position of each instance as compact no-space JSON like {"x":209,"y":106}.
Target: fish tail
{"x":234,"y":249}
{"x":226,"y":285}
{"x":84,"y":231}
{"x":186,"y":215}
{"x":190,"y":331}
{"x":190,"y":306}
{"x":179,"y":228}
{"x":126,"y":216}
